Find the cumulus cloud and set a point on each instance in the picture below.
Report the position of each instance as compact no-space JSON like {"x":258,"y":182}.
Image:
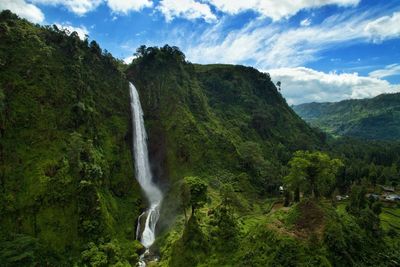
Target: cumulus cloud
{"x":23,"y":9}
{"x":303,"y":85}
{"x":128,"y":60}
{"x":271,"y":45}
{"x":79,"y":7}
{"x":188,"y":9}
{"x":273,"y":9}
{"x":125,"y":6}
{"x":383,"y":28}
{"x":389,"y":70}
{"x":81,"y":31}
{"x":194,"y":9}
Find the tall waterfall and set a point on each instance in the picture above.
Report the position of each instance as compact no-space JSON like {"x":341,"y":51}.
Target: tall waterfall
{"x":143,"y":173}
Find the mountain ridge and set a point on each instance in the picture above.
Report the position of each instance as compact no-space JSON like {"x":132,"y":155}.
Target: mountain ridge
{"x":371,"y":118}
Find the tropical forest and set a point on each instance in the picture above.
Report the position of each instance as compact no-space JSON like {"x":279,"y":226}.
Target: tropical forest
{"x":196,"y":150}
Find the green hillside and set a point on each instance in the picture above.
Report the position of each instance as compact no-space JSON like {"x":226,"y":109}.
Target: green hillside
{"x":213,"y":120}
{"x":229,"y":128}
{"x":66,"y":171}
{"x":377,"y":118}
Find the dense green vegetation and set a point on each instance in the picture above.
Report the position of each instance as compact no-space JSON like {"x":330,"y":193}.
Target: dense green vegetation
{"x":222,"y":140}
{"x":377,"y":118}
{"x":67,"y":187}
{"x":229,"y":127}
{"x":225,"y":124}
{"x":311,"y":173}
{"x":377,"y":163}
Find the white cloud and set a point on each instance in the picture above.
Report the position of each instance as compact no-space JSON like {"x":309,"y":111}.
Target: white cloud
{"x":271,"y":45}
{"x":389,"y":70}
{"x":23,"y":9}
{"x":305,"y":22}
{"x":384,"y":28}
{"x":273,"y":9}
{"x":188,"y":9}
{"x":125,"y":6}
{"x":128,"y":60}
{"x":303,"y":85}
{"x":235,"y":47}
{"x":79,"y":7}
{"x":81,"y":31}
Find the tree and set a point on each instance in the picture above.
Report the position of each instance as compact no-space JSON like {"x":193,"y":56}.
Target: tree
{"x":225,"y":229}
{"x":390,"y":175}
{"x":373,"y":174}
{"x":197,"y":192}
{"x":185,"y":198}
{"x":312,"y":172}
{"x":228,"y":196}
{"x":357,"y":200}
{"x":278,"y":83}
{"x":141,"y":51}
{"x":95,"y":48}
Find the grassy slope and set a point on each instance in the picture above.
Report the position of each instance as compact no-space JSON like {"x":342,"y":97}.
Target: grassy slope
{"x":66,"y":173}
{"x":305,"y":234}
{"x":376,"y":118}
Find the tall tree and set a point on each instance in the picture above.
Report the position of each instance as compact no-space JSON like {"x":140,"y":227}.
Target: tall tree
{"x":312,"y":173}
{"x":197,"y":192}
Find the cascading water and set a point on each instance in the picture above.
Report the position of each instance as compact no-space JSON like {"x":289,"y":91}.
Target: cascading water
{"x":144,"y":176}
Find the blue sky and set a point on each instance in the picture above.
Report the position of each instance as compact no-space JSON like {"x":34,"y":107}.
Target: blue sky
{"x":321,"y":50}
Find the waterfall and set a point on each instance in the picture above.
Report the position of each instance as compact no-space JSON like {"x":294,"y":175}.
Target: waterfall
{"x":143,"y":174}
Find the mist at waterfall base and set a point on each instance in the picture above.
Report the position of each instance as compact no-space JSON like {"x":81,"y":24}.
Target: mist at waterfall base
{"x":144,"y":175}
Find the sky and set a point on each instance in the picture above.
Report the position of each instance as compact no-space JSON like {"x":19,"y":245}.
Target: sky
{"x":320,"y":50}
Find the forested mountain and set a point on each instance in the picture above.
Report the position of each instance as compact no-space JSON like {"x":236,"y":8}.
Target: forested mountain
{"x":222,"y":141}
{"x":221,"y":122}
{"x":377,"y":118}
{"x":66,"y":170}
{"x":229,"y":128}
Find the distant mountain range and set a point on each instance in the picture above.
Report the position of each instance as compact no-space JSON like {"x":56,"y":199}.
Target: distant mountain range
{"x":376,"y":118}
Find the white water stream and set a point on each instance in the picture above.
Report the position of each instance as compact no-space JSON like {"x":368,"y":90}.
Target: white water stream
{"x":144,"y":176}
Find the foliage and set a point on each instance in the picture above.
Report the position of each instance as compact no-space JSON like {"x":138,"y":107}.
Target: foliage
{"x":366,"y":210}
{"x":205,"y":120}
{"x":220,"y":139}
{"x":23,"y":250}
{"x":376,"y":162}
{"x":66,"y":172}
{"x":357,"y":199}
{"x":108,"y":254}
{"x":377,"y":118}
{"x":313,"y":172}
{"x":198,"y":192}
